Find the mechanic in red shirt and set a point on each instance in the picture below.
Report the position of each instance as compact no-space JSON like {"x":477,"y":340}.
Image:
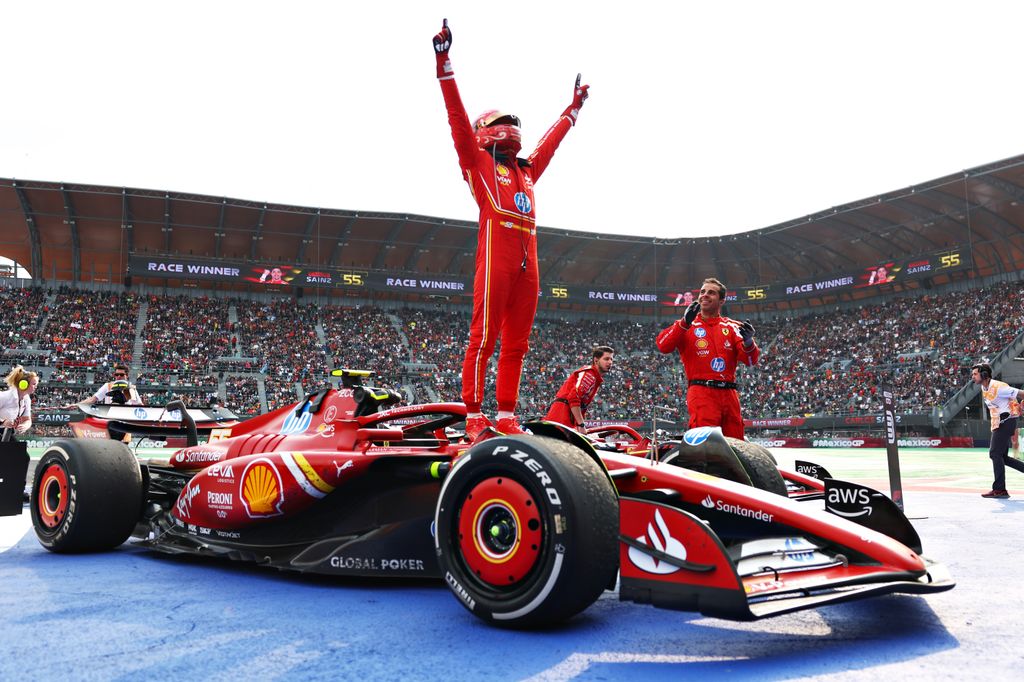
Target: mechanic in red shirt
{"x":710,"y":347}
{"x":506,"y":283}
{"x":571,"y":402}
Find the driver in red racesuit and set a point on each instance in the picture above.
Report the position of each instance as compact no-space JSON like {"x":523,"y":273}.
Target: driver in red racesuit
{"x":711,"y":346}
{"x":506,"y":283}
{"x":570,"y":404}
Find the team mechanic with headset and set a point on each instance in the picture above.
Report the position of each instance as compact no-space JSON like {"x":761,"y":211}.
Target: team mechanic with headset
{"x":16,"y":403}
{"x":506,"y":283}
{"x":1002,"y":401}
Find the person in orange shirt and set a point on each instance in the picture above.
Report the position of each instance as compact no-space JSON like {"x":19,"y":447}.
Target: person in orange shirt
{"x":1003,"y":403}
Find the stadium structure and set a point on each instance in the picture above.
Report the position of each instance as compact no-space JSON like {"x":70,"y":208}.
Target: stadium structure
{"x":921,"y":274}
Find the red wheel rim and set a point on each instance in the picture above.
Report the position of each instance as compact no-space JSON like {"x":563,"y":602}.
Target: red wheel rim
{"x":500,"y":531}
{"x":52,"y":501}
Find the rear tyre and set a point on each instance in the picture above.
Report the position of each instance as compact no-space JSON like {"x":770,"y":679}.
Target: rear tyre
{"x":527,"y":531}
{"x":86,"y":496}
{"x":760,"y":466}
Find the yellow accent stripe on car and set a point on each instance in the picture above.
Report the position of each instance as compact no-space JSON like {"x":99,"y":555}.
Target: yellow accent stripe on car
{"x":314,"y":478}
{"x":301,"y":471}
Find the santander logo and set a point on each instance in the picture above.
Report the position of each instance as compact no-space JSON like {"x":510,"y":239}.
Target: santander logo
{"x":661,"y":540}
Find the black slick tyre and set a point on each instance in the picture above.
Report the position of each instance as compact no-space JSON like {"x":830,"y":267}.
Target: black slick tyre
{"x":760,"y":465}
{"x":527,"y":531}
{"x":86,"y":496}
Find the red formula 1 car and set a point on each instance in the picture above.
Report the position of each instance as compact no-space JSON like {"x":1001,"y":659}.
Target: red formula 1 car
{"x":524,"y":530}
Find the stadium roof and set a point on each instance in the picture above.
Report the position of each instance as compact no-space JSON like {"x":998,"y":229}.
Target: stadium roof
{"x":64,"y":231}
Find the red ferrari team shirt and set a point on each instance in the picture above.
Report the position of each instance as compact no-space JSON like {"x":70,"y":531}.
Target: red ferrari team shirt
{"x":579,"y":389}
{"x":710,"y":348}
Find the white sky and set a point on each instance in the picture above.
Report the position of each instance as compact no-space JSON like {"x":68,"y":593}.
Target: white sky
{"x":708,"y":118}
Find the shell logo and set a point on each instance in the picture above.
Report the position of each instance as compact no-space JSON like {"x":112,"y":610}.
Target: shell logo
{"x":261,"y":490}
{"x":702,"y":343}
{"x":502,"y":170}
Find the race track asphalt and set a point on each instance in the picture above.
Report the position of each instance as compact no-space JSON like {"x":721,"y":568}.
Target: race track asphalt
{"x":132,"y":614}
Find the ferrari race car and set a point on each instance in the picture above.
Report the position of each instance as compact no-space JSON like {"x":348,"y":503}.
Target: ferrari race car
{"x":525,"y":531}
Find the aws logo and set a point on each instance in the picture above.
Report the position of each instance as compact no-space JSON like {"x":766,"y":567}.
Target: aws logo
{"x":660,"y":539}
{"x":850,"y":502}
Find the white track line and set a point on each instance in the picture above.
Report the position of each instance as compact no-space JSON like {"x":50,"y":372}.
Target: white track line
{"x":13,"y":529}
{"x":577,"y":664}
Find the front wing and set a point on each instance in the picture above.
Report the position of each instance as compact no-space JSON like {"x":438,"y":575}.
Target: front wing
{"x":672,"y":559}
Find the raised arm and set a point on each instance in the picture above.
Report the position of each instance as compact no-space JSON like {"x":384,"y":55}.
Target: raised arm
{"x":462,"y":130}
{"x":541,"y":156}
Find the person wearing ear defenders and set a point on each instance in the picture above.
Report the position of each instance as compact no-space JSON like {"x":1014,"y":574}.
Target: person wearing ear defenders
{"x":16,"y":402}
{"x":1003,"y":403}
{"x":506,"y":283}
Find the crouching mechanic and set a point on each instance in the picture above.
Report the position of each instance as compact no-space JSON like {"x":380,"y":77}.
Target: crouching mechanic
{"x":710,"y":347}
{"x":570,"y":404}
{"x":505,"y":283}
{"x":1003,"y":403}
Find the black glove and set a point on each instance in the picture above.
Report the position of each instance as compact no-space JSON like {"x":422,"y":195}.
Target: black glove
{"x":443,"y":39}
{"x":747,"y":332}
{"x":443,"y":43}
{"x":579,"y":96}
{"x":691,"y":314}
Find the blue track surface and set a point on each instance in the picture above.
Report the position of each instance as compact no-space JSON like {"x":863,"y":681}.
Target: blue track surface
{"x":134,"y":614}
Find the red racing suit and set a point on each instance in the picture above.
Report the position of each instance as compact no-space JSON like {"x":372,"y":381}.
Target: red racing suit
{"x":506,"y":283}
{"x":579,"y":390}
{"x":710,"y":350}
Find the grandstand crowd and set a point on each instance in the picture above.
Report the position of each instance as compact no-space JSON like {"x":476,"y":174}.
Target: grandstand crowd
{"x":255,"y":356}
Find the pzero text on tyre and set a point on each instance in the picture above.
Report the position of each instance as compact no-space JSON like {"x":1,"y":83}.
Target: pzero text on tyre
{"x":527,"y":531}
{"x":86,"y":496}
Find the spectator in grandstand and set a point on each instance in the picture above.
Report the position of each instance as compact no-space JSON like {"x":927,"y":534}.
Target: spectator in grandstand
{"x":16,"y":401}
{"x":710,"y":347}
{"x":570,"y":404}
{"x":506,"y":283}
{"x":1002,"y":401}
{"x":115,"y":392}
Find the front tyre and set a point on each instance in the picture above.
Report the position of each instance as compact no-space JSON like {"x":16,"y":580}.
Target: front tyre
{"x":86,"y":496}
{"x":760,"y":465}
{"x":526,"y":531}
